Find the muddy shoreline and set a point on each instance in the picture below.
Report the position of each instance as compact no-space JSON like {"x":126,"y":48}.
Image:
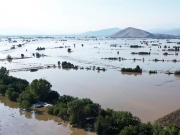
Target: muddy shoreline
{"x":172,"y":118}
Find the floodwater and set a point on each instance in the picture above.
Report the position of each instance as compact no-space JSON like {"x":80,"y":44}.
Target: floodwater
{"x":148,"y":96}
{"x":14,"y":121}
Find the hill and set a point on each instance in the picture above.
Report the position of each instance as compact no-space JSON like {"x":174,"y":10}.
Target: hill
{"x":103,"y":32}
{"x":133,"y":33}
{"x":175,"y":32}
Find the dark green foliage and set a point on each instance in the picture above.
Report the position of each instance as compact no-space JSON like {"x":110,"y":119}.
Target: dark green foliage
{"x":66,"y":99}
{"x":11,"y":94}
{"x":22,"y":55}
{"x":8,"y":93}
{"x":177,"y":72}
{"x":3,"y":72}
{"x":26,"y":95}
{"x":25,"y":104}
{"x":62,"y":110}
{"x":15,"y":96}
{"x":50,"y":110}
{"x":145,"y":129}
{"x":144,"y":53}
{"x":172,"y":130}
{"x":8,"y":57}
{"x":40,"y":48}
{"x":38,"y":55}
{"x":67,"y":65}
{"x":10,"y":86}
{"x":3,"y":89}
{"x":18,"y":84}
{"x":69,"y":49}
{"x":152,"y":72}
{"x":55,"y":111}
{"x":75,"y":111}
{"x":129,"y":130}
{"x":112,"y":122}
{"x":63,"y":113}
{"x":80,"y":109}
{"x":40,"y":89}
{"x":53,"y":96}
{"x":137,"y":69}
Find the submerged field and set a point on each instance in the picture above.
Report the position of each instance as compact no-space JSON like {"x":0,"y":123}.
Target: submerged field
{"x":148,"y":96}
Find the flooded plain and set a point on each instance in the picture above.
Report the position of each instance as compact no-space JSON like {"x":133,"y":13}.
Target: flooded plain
{"x":148,"y":96}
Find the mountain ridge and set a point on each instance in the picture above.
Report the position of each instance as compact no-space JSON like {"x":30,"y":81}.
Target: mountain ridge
{"x":131,"y":32}
{"x":102,"y":32}
{"x":175,"y":32}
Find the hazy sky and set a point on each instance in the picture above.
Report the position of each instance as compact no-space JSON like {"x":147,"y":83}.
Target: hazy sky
{"x":73,"y":16}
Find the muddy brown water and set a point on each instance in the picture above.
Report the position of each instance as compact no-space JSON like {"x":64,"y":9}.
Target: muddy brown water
{"x":14,"y":121}
{"x":148,"y":96}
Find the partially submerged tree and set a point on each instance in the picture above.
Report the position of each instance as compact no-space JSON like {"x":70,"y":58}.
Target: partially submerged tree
{"x":22,"y":55}
{"x":69,"y":49}
{"x":3,"y":72}
{"x":40,"y":89}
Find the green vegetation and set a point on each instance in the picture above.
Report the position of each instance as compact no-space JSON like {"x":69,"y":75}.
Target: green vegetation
{"x":137,"y":69}
{"x":40,"y":48}
{"x":79,"y":112}
{"x":152,"y":72}
{"x":19,"y":45}
{"x":69,"y":49}
{"x":9,"y":57}
{"x":68,"y":65}
{"x":16,"y":89}
{"x":38,"y":55}
{"x":40,"y":89}
{"x":177,"y":72}
{"x":22,"y":55}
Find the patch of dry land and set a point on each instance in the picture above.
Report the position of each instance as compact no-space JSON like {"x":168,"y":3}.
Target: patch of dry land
{"x":170,"y":119}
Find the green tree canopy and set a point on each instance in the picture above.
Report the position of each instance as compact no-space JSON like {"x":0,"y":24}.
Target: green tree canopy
{"x":3,"y":72}
{"x":40,"y":89}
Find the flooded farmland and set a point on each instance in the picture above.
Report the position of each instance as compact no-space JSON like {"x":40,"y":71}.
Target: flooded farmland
{"x":148,"y":96}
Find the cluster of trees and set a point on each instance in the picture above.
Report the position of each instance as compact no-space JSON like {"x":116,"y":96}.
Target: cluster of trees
{"x":40,"y":48}
{"x":38,"y":90}
{"x":16,"y":89}
{"x":177,"y":72}
{"x":11,"y":87}
{"x":110,"y":122}
{"x":137,"y":69}
{"x":67,"y":65}
{"x":79,"y":112}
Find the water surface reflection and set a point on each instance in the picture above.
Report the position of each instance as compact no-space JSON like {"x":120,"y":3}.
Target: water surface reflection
{"x":15,"y":121}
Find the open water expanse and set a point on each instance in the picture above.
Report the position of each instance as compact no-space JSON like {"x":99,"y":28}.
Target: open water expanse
{"x":148,"y":96}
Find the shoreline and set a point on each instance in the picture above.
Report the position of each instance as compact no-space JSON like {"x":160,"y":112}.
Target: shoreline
{"x":172,"y":118}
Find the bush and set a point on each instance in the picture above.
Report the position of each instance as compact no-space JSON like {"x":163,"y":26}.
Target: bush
{"x":53,"y":96}
{"x":25,"y":104}
{"x":22,"y":55}
{"x":50,"y":110}
{"x":26,"y":95}
{"x":137,"y":69}
{"x":55,"y":111}
{"x":8,"y":57}
{"x":15,"y":96}
{"x":38,"y":55}
{"x":62,"y":112}
{"x":8,"y":93}
{"x":3,"y":89}
{"x":69,"y":49}
{"x":177,"y":72}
